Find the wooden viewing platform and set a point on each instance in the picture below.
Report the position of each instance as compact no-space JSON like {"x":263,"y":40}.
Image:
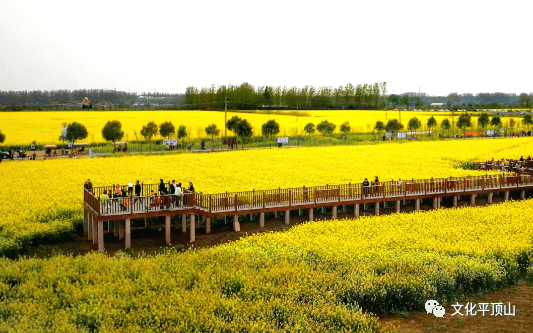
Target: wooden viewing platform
{"x":119,"y":212}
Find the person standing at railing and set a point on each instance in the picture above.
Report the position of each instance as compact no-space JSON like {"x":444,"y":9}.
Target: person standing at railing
{"x":375,"y":185}
{"x":366,"y":186}
{"x":104,"y":200}
{"x":172,"y":191}
{"x":400,"y":185}
{"x":138,"y":189}
{"x":162,"y":187}
{"x":88,"y":185}
{"x":179,"y":195}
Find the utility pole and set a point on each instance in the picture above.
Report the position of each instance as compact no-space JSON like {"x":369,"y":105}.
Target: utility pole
{"x":225,"y":116}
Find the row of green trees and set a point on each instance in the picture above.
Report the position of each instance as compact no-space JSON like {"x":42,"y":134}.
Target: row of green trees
{"x":247,"y":97}
{"x":464,"y":121}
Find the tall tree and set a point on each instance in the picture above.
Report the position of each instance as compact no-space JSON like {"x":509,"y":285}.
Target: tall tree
{"x":232,"y":123}
{"x":345,"y":129}
{"x":166,"y":129}
{"x":483,"y":120}
{"x":414,"y":124}
{"x":244,"y":130}
{"x":380,"y":126}
{"x":2,"y":137}
{"x":270,"y":128}
{"x":326,"y":128}
{"x":211,"y":130}
{"x":182,"y":131}
{"x":464,"y":121}
{"x":149,"y":130}
{"x":445,"y":125}
{"x":394,"y":100}
{"x":76,"y":131}
{"x":112,"y":131}
{"x":309,"y":128}
{"x":393,"y":126}
{"x":432,"y":122}
{"x":527,"y":120}
{"x":496,"y":121}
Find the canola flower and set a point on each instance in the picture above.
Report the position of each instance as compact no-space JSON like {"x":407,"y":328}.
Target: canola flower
{"x":21,"y":128}
{"x":324,"y":276}
{"x":41,"y":201}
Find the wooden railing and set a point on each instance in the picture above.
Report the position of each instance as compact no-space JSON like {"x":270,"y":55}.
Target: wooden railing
{"x":289,"y":197}
{"x":519,"y":167}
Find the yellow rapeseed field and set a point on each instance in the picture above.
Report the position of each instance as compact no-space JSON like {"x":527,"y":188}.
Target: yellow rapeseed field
{"x":317,"y":277}
{"x":21,"y":128}
{"x":51,"y":190}
{"x":324,"y":276}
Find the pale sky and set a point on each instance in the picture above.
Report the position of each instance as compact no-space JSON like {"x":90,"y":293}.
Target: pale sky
{"x":165,"y":46}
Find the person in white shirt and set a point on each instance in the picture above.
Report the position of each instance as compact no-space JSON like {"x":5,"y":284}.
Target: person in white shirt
{"x":179,"y":194}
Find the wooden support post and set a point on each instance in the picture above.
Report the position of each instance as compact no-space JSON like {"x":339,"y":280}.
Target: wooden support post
{"x":323,"y":210}
{"x":377,"y":208}
{"x":120,"y":230}
{"x":101,"y":236}
{"x":299,"y":212}
{"x":167,"y":229}
{"x":506,"y":196}
{"x":384,"y":204}
{"x":435,"y":203}
{"x":262,"y":220}
{"x":311,"y":214}
{"x":334,"y":213}
{"x":422,"y":201}
{"x":236,"y":224}
{"x":397,"y":206}
{"x":193,"y":228}
{"x":344,"y":208}
{"x":364,"y":206}
{"x":90,"y":227}
{"x":523,"y":194}
{"x":356,"y":210}
{"x":490,"y":198}
{"x":473,"y":200}
{"x":417,"y":204}
{"x":95,"y":230}
{"x":439,"y":202}
{"x":85,"y":221}
{"x":115,"y":228}
{"x":287,"y":217}
{"x":455,"y":201}
{"x":251,"y":219}
{"x":275,"y":215}
{"x":128,"y":233}
{"x":183,"y":223}
{"x":208,"y":225}
{"x":404,"y":202}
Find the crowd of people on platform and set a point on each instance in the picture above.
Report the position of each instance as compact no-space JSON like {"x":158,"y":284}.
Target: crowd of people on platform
{"x":172,"y":196}
{"x":510,"y":162}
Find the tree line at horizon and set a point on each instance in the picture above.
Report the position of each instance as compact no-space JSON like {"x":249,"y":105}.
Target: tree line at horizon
{"x":247,"y":97}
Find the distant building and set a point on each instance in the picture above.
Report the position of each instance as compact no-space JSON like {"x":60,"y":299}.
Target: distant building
{"x":437,"y":104}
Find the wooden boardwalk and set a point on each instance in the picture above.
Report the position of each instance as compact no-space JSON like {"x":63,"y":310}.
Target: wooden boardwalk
{"x":119,"y":211}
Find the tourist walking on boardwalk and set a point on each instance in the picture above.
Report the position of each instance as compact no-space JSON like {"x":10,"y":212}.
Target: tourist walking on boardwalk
{"x":191,"y":187}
